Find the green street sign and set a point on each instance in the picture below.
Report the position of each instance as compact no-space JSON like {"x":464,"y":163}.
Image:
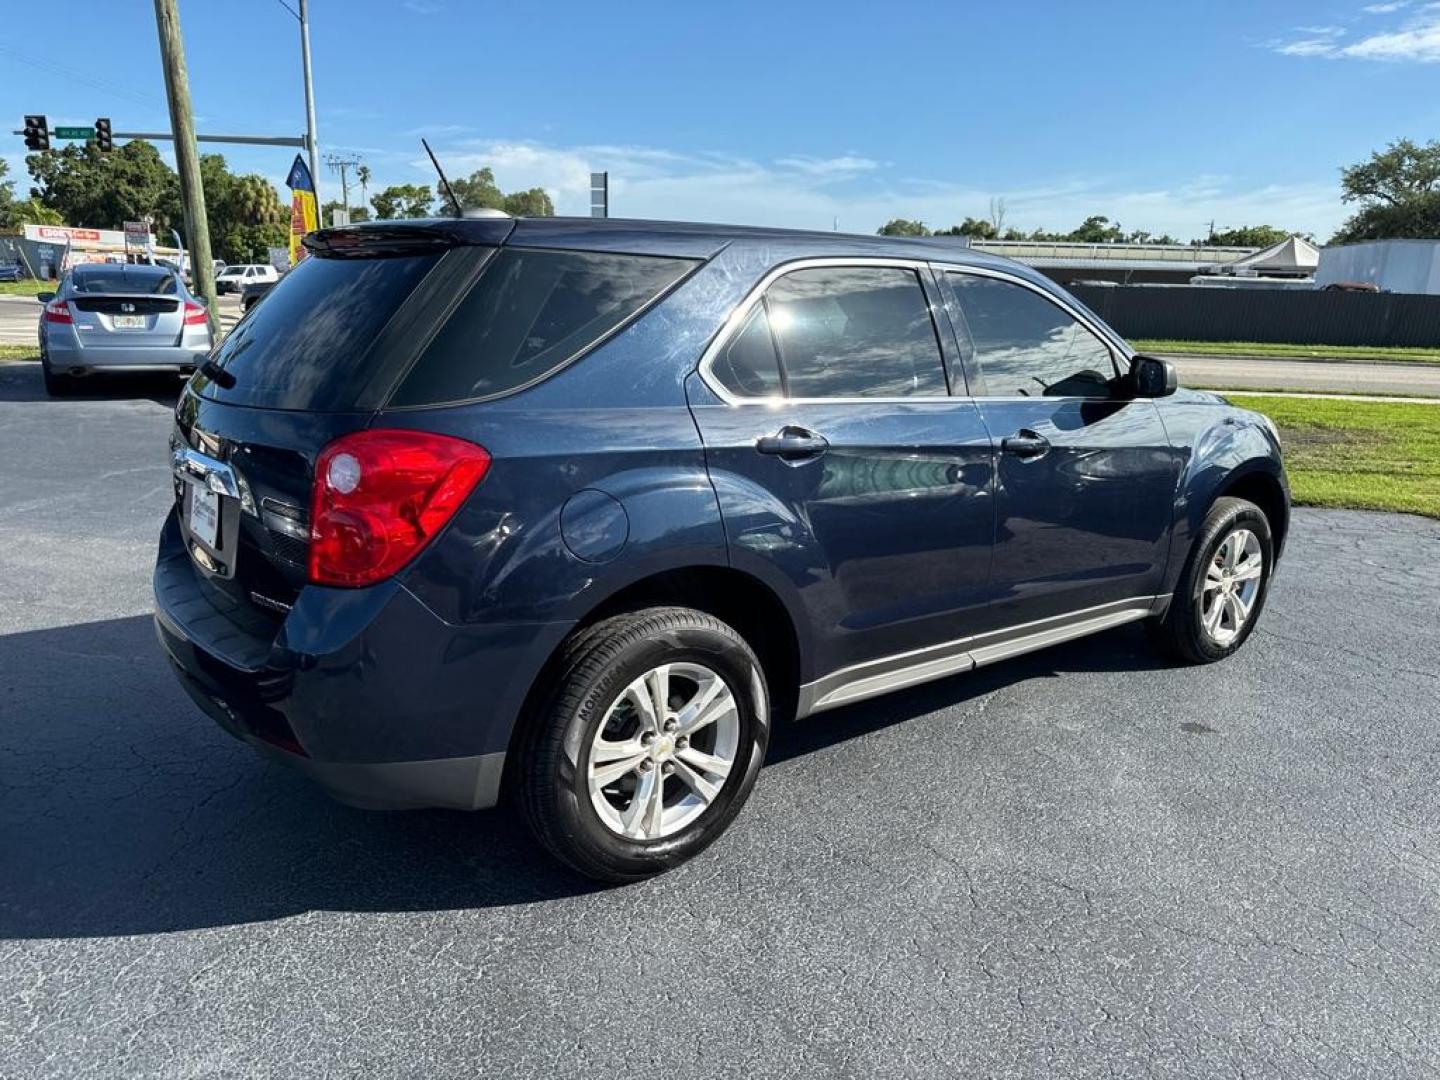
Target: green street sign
{"x":75,"y":133}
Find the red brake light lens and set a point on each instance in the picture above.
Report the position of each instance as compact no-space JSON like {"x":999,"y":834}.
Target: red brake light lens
{"x":381,"y":496}
{"x":58,"y":311}
{"x":195,"y":314}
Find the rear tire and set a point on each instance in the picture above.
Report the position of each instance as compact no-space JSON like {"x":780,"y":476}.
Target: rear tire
{"x":620,"y":789}
{"x":56,"y":385}
{"x":1222,"y":590}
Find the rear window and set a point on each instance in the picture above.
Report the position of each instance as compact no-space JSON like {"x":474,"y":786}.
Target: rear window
{"x":530,"y":312}
{"x":312,"y":343}
{"x":121,"y":282}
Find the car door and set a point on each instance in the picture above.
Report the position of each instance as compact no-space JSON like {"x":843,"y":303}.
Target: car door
{"x":842,"y":463}
{"x":1085,"y":476}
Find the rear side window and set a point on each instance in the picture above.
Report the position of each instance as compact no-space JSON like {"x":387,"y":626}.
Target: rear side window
{"x":855,"y":331}
{"x":748,"y":365}
{"x":530,"y":312}
{"x":311,"y":344}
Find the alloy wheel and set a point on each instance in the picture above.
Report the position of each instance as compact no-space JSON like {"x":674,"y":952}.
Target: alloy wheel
{"x":663,"y":751}
{"x":1231,"y":586}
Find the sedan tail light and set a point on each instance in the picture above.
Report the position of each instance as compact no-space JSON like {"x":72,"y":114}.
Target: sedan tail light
{"x":381,"y":496}
{"x":58,"y":311}
{"x":195,"y":315}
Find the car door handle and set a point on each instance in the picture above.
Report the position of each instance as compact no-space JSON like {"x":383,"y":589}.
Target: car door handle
{"x":792,"y":444}
{"x":1025,"y":444}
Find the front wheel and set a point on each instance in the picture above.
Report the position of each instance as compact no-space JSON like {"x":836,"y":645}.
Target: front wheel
{"x":1222,"y":589}
{"x":649,"y":743}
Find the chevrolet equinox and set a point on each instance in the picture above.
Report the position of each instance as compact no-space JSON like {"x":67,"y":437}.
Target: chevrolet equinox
{"x":572,"y":510}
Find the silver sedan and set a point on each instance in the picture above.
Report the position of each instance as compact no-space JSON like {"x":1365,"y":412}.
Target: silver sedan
{"x":120,"y":318}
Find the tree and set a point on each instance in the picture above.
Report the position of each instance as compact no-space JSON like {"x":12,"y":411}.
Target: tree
{"x":1398,"y":192}
{"x":1097,"y":229}
{"x":903,"y":227}
{"x":975,"y":228}
{"x":245,"y":212}
{"x":478,"y":191}
{"x":403,"y":201}
{"x":7,"y":196}
{"x":86,"y":187}
{"x":30,"y":212}
{"x":357,"y":213}
{"x":534,"y":202}
{"x":1259,"y":236}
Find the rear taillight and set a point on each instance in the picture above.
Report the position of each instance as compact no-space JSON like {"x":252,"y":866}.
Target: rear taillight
{"x":58,"y":311}
{"x":381,"y":496}
{"x":195,"y":314}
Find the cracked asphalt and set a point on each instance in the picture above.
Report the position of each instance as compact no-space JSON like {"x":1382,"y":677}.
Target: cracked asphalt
{"x":1079,"y":863}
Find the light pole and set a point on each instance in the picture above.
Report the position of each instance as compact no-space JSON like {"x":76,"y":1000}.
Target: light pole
{"x":311,"y":138}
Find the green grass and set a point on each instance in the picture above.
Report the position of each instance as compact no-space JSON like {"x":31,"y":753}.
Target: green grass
{"x":1284,"y":352}
{"x":18,"y":352}
{"x":1360,"y":454}
{"x":28,"y":287}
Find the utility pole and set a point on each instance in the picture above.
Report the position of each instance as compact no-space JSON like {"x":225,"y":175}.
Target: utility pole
{"x":310,"y":135}
{"x":342,"y":164}
{"x":187,"y":157}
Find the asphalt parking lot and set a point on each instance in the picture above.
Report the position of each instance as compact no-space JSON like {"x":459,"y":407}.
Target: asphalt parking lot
{"x":1080,"y":863}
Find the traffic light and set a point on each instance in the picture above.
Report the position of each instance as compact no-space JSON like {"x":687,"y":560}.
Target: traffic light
{"x":103,"y":135}
{"x":37,"y":133}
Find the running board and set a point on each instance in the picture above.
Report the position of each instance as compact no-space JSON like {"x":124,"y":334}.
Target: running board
{"x":875,"y":677}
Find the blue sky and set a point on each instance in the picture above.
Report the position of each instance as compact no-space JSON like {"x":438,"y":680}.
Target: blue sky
{"x":1163,"y":116}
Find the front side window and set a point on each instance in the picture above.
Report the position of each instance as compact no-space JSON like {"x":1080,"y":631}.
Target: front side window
{"x":1028,"y":346}
{"x":855,"y":331}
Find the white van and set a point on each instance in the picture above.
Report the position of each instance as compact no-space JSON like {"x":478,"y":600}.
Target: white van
{"x":235,"y":278}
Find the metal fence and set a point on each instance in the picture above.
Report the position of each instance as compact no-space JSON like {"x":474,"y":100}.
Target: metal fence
{"x":1300,"y":318}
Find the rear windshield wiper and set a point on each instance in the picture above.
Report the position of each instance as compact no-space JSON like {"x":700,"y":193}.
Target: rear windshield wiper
{"x":216,"y":374}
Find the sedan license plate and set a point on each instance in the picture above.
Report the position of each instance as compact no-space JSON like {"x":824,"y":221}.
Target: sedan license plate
{"x":204,"y":515}
{"x":129,"y":322}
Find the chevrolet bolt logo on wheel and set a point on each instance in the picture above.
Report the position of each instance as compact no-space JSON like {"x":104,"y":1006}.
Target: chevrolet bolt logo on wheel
{"x":696,"y":477}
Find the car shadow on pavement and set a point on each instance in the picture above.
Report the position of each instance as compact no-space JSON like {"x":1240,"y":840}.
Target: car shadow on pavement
{"x":20,"y":380}
{"x":124,"y":810}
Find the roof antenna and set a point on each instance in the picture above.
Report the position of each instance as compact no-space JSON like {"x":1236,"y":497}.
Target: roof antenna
{"x":448,"y":189}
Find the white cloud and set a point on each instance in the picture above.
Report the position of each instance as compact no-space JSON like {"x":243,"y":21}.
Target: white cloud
{"x":1385,"y":9}
{"x":799,"y":191}
{"x":848,"y":165}
{"x":1417,"y":41}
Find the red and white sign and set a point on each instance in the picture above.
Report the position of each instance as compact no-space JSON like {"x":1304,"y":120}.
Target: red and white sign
{"x":59,"y":234}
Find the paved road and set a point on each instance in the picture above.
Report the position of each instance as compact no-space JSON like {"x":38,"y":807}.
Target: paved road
{"x":20,"y":316}
{"x":1083,"y":863}
{"x":1344,"y":376}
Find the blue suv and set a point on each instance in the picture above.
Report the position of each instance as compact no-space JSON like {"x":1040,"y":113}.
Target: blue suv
{"x":574,"y":510}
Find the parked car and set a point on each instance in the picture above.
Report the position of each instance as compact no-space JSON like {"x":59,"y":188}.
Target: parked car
{"x":254,"y":292}
{"x":574,"y":510}
{"x":235,"y":278}
{"x":10,"y":272}
{"x":119,"y":318}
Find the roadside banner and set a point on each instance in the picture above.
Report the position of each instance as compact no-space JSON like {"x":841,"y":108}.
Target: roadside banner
{"x":304,"y":214}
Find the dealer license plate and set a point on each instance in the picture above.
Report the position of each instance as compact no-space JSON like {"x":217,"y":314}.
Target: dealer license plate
{"x":204,"y":515}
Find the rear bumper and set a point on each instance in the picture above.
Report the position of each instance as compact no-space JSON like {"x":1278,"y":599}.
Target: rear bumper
{"x":65,"y":357}
{"x":365,"y":690}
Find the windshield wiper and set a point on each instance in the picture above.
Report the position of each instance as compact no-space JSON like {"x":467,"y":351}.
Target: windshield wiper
{"x":216,"y":374}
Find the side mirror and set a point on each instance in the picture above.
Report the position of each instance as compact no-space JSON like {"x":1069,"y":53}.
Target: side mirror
{"x":44,"y":297}
{"x":1153,"y":377}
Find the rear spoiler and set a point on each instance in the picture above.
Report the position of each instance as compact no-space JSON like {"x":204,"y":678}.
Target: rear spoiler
{"x":388,"y":239}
